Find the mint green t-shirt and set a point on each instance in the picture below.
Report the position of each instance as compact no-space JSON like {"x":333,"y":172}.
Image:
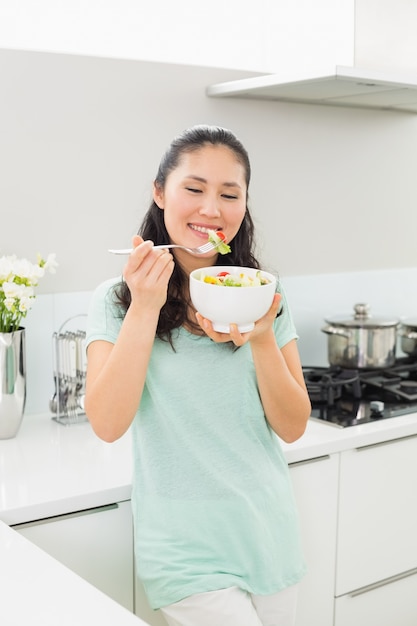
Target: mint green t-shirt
{"x":212,"y":501}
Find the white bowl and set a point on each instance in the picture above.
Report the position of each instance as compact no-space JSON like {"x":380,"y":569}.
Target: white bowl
{"x":231,"y":305}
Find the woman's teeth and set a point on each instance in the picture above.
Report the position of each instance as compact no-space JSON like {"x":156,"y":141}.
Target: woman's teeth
{"x":201,"y":229}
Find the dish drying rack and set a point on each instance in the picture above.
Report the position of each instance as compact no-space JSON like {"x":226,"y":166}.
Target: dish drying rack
{"x":69,"y":371}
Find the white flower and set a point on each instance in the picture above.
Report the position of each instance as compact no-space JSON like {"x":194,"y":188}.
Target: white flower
{"x":25,"y":304}
{"x":18,"y":291}
{"x":6,"y":267}
{"x":50,"y":264}
{"x":28,"y":272}
{"x":12,"y":291}
{"x":18,"y":277}
{"x":9,"y":303}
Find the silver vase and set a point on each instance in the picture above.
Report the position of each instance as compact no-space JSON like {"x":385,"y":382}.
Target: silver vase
{"x":12,"y":382}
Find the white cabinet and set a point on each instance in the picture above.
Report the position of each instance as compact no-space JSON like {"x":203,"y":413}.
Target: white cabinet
{"x":315,"y":486}
{"x":376,"y":568}
{"x":392,"y":603}
{"x":377,"y":513}
{"x":97,"y":544}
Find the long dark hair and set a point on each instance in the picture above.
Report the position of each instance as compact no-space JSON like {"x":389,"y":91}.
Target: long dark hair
{"x":175,"y":312}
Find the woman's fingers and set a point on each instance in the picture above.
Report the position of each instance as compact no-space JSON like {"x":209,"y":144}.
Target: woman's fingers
{"x":238,"y":338}
{"x":148,"y":270}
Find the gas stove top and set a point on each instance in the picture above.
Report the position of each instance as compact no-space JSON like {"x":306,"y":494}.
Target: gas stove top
{"x":350,"y":397}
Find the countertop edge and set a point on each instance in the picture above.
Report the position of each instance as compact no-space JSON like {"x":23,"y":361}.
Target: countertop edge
{"x":79,"y":472}
{"x":36,"y":588}
{"x":322,"y":439}
{"x":64,"y":506}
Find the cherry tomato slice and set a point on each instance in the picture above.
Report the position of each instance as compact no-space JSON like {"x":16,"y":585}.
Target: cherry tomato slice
{"x":223,"y":273}
{"x":221,"y":234}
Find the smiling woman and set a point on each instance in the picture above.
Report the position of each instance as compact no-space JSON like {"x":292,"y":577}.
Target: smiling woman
{"x":201,"y":465}
{"x":194,"y":205}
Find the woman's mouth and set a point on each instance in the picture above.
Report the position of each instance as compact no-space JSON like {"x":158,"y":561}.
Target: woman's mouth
{"x":203,"y":229}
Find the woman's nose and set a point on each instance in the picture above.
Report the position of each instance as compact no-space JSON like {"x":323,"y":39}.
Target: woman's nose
{"x":210,"y":207}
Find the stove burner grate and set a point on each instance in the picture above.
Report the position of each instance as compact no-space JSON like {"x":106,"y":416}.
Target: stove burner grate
{"x":348,"y":397}
{"x":400,"y":380}
{"x":326,"y":385}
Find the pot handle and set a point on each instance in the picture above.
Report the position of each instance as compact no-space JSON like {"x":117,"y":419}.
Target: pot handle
{"x":411,"y":334}
{"x":332,"y":330}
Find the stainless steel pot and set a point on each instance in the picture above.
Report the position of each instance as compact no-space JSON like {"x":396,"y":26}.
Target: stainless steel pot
{"x":361,"y":341}
{"x":408,"y":333}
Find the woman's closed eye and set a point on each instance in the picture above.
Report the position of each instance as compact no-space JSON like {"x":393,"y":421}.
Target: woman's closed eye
{"x":227,"y":196}
{"x":194,"y":190}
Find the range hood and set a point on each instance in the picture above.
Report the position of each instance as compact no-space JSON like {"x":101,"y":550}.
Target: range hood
{"x":336,"y":86}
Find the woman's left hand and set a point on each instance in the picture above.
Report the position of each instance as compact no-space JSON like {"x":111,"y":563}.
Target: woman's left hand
{"x":262,"y":326}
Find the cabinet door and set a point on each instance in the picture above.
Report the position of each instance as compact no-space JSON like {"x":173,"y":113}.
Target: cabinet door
{"x":315,"y":486}
{"x":377,"y":536}
{"x":391,"y":603}
{"x":97,"y":544}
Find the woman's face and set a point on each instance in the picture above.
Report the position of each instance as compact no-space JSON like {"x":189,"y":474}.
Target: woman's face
{"x":207,"y":191}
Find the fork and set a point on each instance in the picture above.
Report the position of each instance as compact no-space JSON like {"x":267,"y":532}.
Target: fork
{"x":207,"y":247}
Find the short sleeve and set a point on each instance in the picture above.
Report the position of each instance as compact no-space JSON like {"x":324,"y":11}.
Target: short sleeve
{"x":104,"y":315}
{"x":284,"y":325}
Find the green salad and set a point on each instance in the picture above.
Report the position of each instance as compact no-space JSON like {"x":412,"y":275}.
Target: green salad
{"x":241,"y":279}
{"x":219,"y":239}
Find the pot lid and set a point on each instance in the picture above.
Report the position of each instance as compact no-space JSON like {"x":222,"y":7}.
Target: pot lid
{"x":362,"y":319}
{"x":409,"y":322}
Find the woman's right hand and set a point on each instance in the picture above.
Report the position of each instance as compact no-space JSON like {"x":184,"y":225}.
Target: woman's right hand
{"x":147,"y":273}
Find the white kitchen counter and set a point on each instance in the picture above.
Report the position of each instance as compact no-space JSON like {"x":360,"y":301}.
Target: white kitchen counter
{"x":37,"y":590}
{"x":49,"y":469}
{"x":323,"y":438}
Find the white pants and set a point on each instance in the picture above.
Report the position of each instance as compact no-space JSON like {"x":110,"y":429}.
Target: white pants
{"x":233,"y":607}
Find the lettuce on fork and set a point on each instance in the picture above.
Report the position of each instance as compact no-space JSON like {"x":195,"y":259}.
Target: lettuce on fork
{"x":218,"y":239}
